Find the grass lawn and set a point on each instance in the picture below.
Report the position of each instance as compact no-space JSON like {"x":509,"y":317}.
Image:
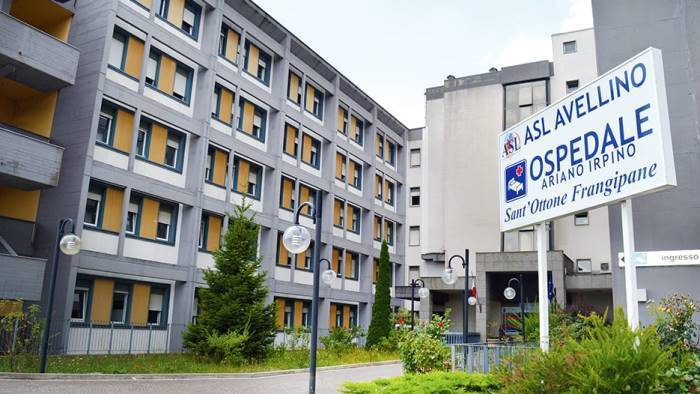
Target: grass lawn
{"x":186,"y":363}
{"x":434,"y":382}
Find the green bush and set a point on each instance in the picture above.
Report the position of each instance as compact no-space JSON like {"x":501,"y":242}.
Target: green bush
{"x":340,"y":340}
{"x":421,"y":353}
{"x":685,"y":377}
{"x":607,"y":359}
{"x":675,"y":325}
{"x":434,"y":382}
{"x":227,"y":347}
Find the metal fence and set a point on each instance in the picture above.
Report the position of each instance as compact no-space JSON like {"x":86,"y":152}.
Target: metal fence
{"x":484,"y":357}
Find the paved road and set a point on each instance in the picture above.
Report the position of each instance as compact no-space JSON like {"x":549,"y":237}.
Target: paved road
{"x":327,"y":381}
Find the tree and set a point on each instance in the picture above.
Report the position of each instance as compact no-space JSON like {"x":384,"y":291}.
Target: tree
{"x":235,"y":301}
{"x":380,"y":326}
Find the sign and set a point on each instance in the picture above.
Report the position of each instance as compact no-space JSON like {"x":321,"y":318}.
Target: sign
{"x":605,"y":142}
{"x":662,"y":258}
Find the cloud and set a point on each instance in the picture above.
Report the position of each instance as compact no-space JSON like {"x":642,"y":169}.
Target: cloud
{"x":580,"y":16}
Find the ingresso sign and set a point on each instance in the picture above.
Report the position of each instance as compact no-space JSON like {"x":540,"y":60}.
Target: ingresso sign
{"x":605,"y":142}
{"x":662,"y":258}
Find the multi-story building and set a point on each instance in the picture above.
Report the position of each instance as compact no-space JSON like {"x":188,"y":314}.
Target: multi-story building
{"x":459,"y":195}
{"x":37,"y":63}
{"x":182,"y":109}
{"x":669,"y":220}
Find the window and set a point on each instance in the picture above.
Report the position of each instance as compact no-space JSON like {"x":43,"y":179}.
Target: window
{"x":415,"y":196}
{"x":570,"y":47}
{"x":104,"y":125}
{"x":354,"y":217}
{"x":93,"y":205}
{"x":338,"y":213}
{"x":337,"y":261}
{"x":117,"y":51}
{"x":165,"y":216}
{"x":583,"y":265}
{"x":390,"y":190}
{"x":288,"y":314}
{"x":190,"y":19}
{"x":257,"y":63}
{"x":287,"y":194}
{"x":314,"y":101}
{"x":247,"y":178}
{"x":306,"y":194}
{"x":163,"y":8}
{"x":291,"y":140}
{"x":132,"y":215}
{"x":155,"y":306}
{"x":228,"y":43}
{"x":357,"y":130}
{"x":310,"y":150}
{"x":379,"y":146}
{"x":340,"y":166}
{"x":352,"y":264}
{"x":338,"y":316}
{"x":571,"y":86}
{"x":177,"y":84}
{"x":119,"y":303}
{"x":414,"y":236}
{"x":284,"y":258}
{"x":390,"y":153}
{"x":202,"y":232}
{"x":252,"y":120}
{"x":308,"y":257}
{"x":172,"y":147}
{"x":305,"y":321}
{"x":356,"y":174}
{"x":294,"y":88}
{"x":142,"y":138}
{"x":183,"y":80}
{"x":378,"y":188}
{"x":581,"y":219}
{"x":524,"y":99}
{"x":377,"y":228}
{"x":222,"y":104}
{"x":389,"y":232}
{"x":79,"y":311}
{"x":353,"y":316}
{"x":605,"y":267}
{"x":415,"y":157}
{"x":152,"y":67}
{"x":342,"y":121}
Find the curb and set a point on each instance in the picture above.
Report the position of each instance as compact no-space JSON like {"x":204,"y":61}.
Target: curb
{"x":178,"y":376}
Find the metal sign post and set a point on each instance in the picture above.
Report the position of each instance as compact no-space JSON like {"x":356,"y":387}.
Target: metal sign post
{"x":542,"y":285}
{"x":630,"y":264}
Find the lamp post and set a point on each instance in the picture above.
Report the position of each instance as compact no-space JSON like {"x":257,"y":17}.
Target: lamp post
{"x":422,"y":293}
{"x":296,"y":239}
{"x":509,"y":293}
{"x":450,"y":278}
{"x":69,"y":245}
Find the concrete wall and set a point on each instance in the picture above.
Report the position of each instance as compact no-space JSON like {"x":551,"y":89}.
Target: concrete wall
{"x":668,"y":220}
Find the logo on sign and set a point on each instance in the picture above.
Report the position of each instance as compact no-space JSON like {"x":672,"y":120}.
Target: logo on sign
{"x":516,"y":181}
{"x":511,"y":143}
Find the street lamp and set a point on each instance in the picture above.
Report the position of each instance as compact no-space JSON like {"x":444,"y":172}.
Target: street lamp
{"x":509,"y":293}
{"x":296,"y":239}
{"x":328,"y":275}
{"x":423,"y":292}
{"x":449,"y":276}
{"x":69,"y":244}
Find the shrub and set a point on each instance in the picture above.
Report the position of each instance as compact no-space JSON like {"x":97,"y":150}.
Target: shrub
{"x":227,"y":347}
{"x":434,"y":382}
{"x":607,"y":359}
{"x":296,"y":339}
{"x":27,"y":328}
{"x":675,"y":325}
{"x":684,"y":378}
{"x":381,"y":323}
{"x":421,"y":352}
{"x":340,"y":340}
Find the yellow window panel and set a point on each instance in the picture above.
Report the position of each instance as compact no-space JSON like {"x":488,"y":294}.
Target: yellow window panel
{"x":134,"y":57}
{"x":166,"y":77}
{"x":301,"y":258}
{"x":294,"y":87}
{"x":214,"y":232}
{"x":310,"y":92}
{"x":283,"y":252}
{"x":253,"y":59}
{"x":248,"y":116}
{"x":140,"y":297}
{"x":377,"y":184}
{"x":342,"y":113}
{"x":387,"y":152}
{"x":19,"y":204}
{"x":123,"y":130}
{"x":335,"y":264}
{"x":346,"y":316}
{"x":287,"y":192}
{"x":305,"y":195}
{"x":112,"y":214}
{"x":220,"y":163}
{"x":290,"y":137}
{"x":146,"y":3}
{"x":243,"y":173}
{"x":386,"y":190}
{"x":353,"y":123}
{"x":280,"y":312}
{"x":298,"y":307}
{"x":306,"y":148}
{"x":101,"y":309}
{"x":159,"y":138}
{"x":232,"y":39}
{"x":377,"y":226}
{"x":348,"y":217}
{"x":225,"y":105}
{"x":378,"y":145}
{"x":149,"y":218}
{"x":337,"y":209}
{"x":331,"y":317}
{"x":176,"y":11}
{"x":348,"y":264}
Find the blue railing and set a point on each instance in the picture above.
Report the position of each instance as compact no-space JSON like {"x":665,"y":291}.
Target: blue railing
{"x":484,"y":357}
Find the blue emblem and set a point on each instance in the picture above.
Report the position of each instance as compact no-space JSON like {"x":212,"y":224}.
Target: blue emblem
{"x":516,"y":181}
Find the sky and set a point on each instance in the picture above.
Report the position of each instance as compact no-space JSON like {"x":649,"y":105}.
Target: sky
{"x":394,"y":50}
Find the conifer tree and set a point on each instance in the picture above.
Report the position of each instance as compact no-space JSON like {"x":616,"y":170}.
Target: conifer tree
{"x":380,"y":326}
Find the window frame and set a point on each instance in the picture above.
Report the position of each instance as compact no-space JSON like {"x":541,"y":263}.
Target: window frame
{"x":257,"y":110}
{"x":358,"y":179}
{"x":84,"y":311}
{"x":411,"y":230}
{"x":582,"y":215}
{"x":111,"y":126}
{"x":390,"y":234}
{"x":411,"y":196}
{"x":356,"y":219}
{"x":293,"y":194}
{"x":569,"y":86}
{"x":572,"y":47}
{"x":117,"y":31}
{"x":261,"y":52}
{"x":259,"y":170}
{"x":125,"y":318}
{"x":314,"y":143}
{"x":97,"y":225}
{"x":411,"y":155}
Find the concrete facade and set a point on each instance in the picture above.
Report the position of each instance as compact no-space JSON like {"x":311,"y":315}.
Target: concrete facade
{"x":669,"y":220}
{"x":117,"y":256}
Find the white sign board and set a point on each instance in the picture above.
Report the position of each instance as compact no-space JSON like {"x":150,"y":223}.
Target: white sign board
{"x":608,"y":141}
{"x":668,"y":258}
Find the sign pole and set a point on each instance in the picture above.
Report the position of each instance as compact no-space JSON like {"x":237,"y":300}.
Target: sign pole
{"x":630,"y":264}
{"x":542,"y":285}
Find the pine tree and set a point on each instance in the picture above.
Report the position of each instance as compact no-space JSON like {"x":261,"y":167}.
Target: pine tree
{"x":380,"y":326}
{"x":236,"y":298}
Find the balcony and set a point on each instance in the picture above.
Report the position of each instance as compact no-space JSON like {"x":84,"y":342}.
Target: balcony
{"x":31,"y":164}
{"x":21,"y":277}
{"x":35,"y":58}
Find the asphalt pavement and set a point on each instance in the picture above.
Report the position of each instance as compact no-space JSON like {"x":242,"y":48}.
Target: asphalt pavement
{"x":327,"y":381}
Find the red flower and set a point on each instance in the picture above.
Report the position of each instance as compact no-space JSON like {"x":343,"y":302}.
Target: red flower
{"x":439,"y":324}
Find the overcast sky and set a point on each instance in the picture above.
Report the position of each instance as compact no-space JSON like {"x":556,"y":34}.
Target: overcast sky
{"x":394,"y":50}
